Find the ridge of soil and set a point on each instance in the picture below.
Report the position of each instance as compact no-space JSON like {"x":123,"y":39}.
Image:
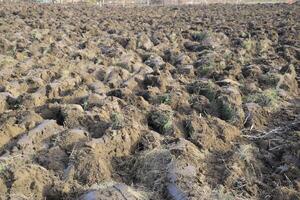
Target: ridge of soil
{"x":191,"y":102}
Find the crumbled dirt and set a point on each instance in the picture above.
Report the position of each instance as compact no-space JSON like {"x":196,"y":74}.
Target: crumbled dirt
{"x":153,"y":103}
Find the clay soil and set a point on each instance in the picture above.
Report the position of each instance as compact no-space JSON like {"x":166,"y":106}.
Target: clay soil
{"x":154,"y":103}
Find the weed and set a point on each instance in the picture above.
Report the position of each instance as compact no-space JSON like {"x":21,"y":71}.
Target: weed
{"x":117,"y":120}
{"x":15,"y":103}
{"x":245,"y":153}
{"x":225,"y":110}
{"x":206,"y":89}
{"x":189,"y":128}
{"x":248,"y":44}
{"x":227,"y":56}
{"x":6,"y":61}
{"x":165,"y":98}
{"x":207,"y":68}
{"x":3,"y":167}
{"x":221,"y":194}
{"x":199,"y":36}
{"x":269,"y":79}
{"x":160,"y":121}
{"x":36,"y":35}
{"x":264,"y":45}
{"x":123,"y":65}
{"x":85,"y":104}
{"x":267,"y":98}
{"x":199,"y":103}
{"x":46,"y":50}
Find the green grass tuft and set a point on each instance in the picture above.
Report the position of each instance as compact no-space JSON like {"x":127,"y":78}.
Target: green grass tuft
{"x":199,"y":36}
{"x":160,"y":121}
{"x":206,"y":89}
{"x":165,"y":98}
{"x":117,"y":120}
{"x":269,"y":79}
{"x":267,"y":98}
{"x":225,"y":110}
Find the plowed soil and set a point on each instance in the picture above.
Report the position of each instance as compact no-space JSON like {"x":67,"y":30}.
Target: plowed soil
{"x":154,"y":103}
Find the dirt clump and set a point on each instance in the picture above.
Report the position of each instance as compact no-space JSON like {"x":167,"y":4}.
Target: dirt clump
{"x":187,"y":102}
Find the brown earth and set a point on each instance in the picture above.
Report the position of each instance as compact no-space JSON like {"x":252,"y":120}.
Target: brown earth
{"x":149,"y":103}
